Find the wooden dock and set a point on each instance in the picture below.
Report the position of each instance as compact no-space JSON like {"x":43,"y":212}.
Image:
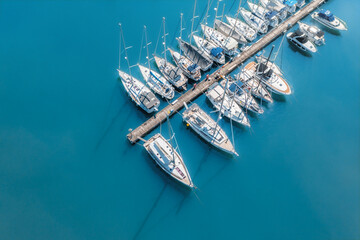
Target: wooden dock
{"x":202,"y":86}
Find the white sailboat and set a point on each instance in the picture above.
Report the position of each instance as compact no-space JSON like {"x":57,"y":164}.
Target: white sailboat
{"x":195,"y":55}
{"x":190,"y":69}
{"x":229,"y":31}
{"x":228,"y":44}
{"x":207,"y":128}
{"x":275,"y":6}
{"x":248,"y":32}
{"x":254,"y":21}
{"x":168,"y":157}
{"x":264,"y":14}
{"x":218,"y":97}
{"x":212,"y":51}
{"x":238,"y":91}
{"x":171,"y":72}
{"x":137,"y":91}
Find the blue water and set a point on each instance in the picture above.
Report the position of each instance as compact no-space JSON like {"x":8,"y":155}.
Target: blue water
{"x":67,"y":170}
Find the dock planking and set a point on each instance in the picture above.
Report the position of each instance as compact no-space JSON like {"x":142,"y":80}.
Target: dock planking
{"x":227,"y":68}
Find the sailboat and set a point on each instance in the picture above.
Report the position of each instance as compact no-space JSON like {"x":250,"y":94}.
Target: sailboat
{"x":253,"y":85}
{"x":137,"y":91}
{"x":254,"y":21}
{"x":207,"y":128}
{"x":190,"y":69}
{"x":172,"y":73}
{"x":238,"y":91}
{"x":275,"y":6}
{"x":248,"y":32}
{"x":230,"y":109}
{"x":264,"y":14}
{"x":212,"y":51}
{"x":153,"y":79}
{"x":167,"y":157}
{"x":229,"y":31}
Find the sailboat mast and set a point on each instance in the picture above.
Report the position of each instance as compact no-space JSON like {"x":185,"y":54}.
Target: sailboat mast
{"x":171,"y":138}
{"x":221,"y":106}
{"x":164,"y":41}
{"x":222,"y":14}
{"x":119,"y":46}
{"x":192,"y":21}
{"x":147,"y":48}
{"x":216,"y":10}
{"x":125,"y":48}
{"x":181,"y":28}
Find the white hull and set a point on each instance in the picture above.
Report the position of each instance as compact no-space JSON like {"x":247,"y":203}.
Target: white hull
{"x":254,"y":21}
{"x":184,"y":63}
{"x":206,"y":47}
{"x":172,"y":73}
{"x":306,"y":46}
{"x":248,"y":32}
{"x":337,"y":24}
{"x":314,"y":33}
{"x":263,"y":14}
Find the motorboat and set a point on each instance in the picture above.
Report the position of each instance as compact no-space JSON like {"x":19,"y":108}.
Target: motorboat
{"x":326,"y":18}
{"x":301,"y":40}
{"x":314,"y":33}
{"x":226,"y":105}
{"x":190,"y":69}
{"x":212,"y":51}
{"x":207,"y":128}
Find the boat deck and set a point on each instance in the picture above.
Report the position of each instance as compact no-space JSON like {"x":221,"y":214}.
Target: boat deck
{"x":227,"y":68}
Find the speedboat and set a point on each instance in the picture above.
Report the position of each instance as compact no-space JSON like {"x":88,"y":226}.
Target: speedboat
{"x":274,"y":82}
{"x":207,"y":128}
{"x":254,"y":21}
{"x":229,"y":31}
{"x":238,"y":91}
{"x":228,"y":44}
{"x":166,"y":156}
{"x":254,"y":85}
{"x":326,"y":18}
{"x":277,"y":6}
{"x":264,"y":14}
{"x":223,"y":103}
{"x":243,"y":28}
{"x":139,"y":93}
{"x":301,"y":40}
{"x":172,"y":73}
{"x":212,"y":51}
{"x":190,"y":69}
{"x":314,"y":33}
{"x":195,"y":55}
{"x":157,"y":82}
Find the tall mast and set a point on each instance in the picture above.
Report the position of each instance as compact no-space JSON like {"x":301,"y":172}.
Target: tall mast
{"x":171,"y":138}
{"x":222,"y":15}
{"x":125,"y":48}
{"x":181,"y":28}
{"x":216,"y":10}
{"x":192,"y":21}
{"x":147,"y":47}
{"x":222,"y":103}
{"x":164,"y":40}
{"x":205,"y":19}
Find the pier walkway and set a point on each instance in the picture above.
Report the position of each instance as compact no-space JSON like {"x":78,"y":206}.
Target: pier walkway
{"x":227,"y":68}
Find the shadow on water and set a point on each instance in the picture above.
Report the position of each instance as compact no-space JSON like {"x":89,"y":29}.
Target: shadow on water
{"x":143,"y":223}
{"x":279,"y":98}
{"x":217,"y":173}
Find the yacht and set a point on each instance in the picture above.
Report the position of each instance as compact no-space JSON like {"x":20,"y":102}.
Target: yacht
{"x":301,"y":40}
{"x":166,"y":156}
{"x":254,"y":85}
{"x":249,"y":33}
{"x":157,"y":83}
{"x":238,"y":91}
{"x":139,"y":93}
{"x":254,"y":21}
{"x":228,"y":44}
{"x":272,"y":81}
{"x":223,"y":103}
{"x":229,"y":31}
{"x":314,"y":33}
{"x":326,"y":18}
{"x":261,"y":59}
{"x":264,"y":14}
{"x":190,"y":69}
{"x":172,"y":73}
{"x":207,"y":128}
{"x":195,"y":55}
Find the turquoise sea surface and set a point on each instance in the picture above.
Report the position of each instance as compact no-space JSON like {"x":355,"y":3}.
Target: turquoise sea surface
{"x":67,"y":170}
